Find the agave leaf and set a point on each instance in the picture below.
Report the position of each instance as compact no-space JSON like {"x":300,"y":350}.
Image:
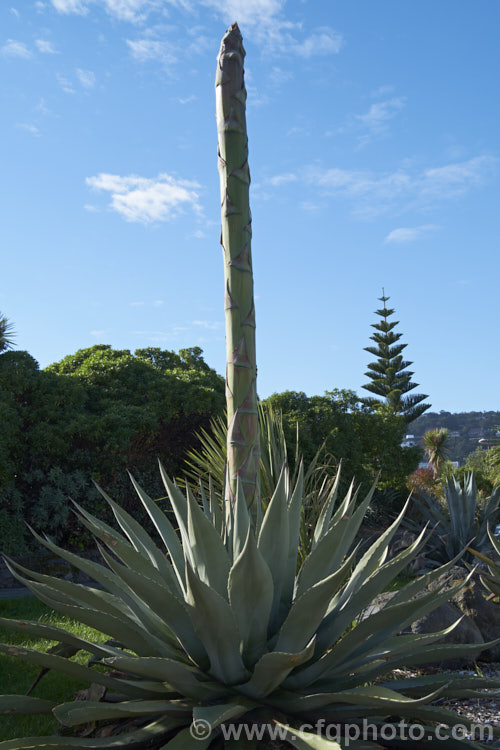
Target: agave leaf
{"x":294,"y":524}
{"x":455,"y":684}
{"x":331,"y":549}
{"x":130,"y":634}
{"x":94,"y":607}
{"x":323,"y":522}
{"x":96,"y":571}
{"x":214,"y":622}
{"x":211,"y":560}
{"x":372,"y":631}
{"x":217,"y":518}
{"x":344,"y":612}
{"x":186,"y":739}
{"x":490,"y":512}
{"x":404,"y":645}
{"x":307,"y":612}
{"x":306,"y":740}
{"x":177,"y":500}
{"x":74,"y":593}
{"x":140,"y":540}
{"x":216,"y":715}
{"x":241,"y":521}
{"x":121,"y":547}
{"x":273,"y":541}
{"x":24,"y":704}
{"x":273,"y":668}
{"x":186,"y":679}
{"x":165,"y":530}
{"x":251,"y":592}
{"x":172,"y":613}
{"x":369,"y":695}
{"x":66,"y":666}
{"x":433,"y":653}
{"x":422,"y":582}
{"x":134,"y":740}
{"x":373,"y":557}
{"x":80,"y":712}
{"x":53,"y":633}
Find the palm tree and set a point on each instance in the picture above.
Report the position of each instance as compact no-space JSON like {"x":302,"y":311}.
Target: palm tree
{"x":6,"y":334}
{"x":436,"y":447}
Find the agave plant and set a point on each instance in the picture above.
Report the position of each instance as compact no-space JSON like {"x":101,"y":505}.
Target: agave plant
{"x":218,"y":627}
{"x":214,"y":624}
{"x":463,"y":522}
{"x":207,"y":466}
{"x":490,"y":579}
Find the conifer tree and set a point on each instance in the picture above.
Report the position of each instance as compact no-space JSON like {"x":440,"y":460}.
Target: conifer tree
{"x":388,"y":374}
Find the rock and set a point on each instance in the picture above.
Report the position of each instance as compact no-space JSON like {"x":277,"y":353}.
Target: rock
{"x":472,"y":602}
{"x":466,"y":632}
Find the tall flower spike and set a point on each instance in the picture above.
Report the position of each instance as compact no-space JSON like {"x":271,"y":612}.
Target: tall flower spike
{"x":243,"y":449}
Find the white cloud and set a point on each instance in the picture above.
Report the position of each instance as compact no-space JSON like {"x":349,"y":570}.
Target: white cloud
{"x":42,"y":108}
{"x":264,"y":21}
{"x":188,"y":99}
{"x":144,"y":50}
{"x":158,"y":303}
{"x":382,"y":91}
{"x":97,"y":334}
{"x":141,"y":199}
{"x":455,"y":179}
{"x":45,"y":47}
{"x":210,"y":325}
{"x":71,"y":6}
{"x":29,"y":128}
{"x":15,"y":12}
{"x":283,"y":179}
{"x":13,"y":48}
{"x":374,"y":194}
{"x":409,"y":234}
{"x":65,"y":84}
{"x":380,"y":112}
{"x":322,"y":42}
{"x":124,"y":10}
{"x":86,"y":78}
{"x":248,"y":12}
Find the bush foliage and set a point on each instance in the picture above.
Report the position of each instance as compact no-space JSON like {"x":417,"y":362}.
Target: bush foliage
{"x":93,"y":415}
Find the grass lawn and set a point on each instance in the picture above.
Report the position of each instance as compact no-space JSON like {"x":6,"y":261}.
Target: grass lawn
{"x":17,"y":675}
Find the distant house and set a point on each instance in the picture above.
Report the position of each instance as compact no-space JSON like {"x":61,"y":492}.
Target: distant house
{"x":474,"y":433}
{"x":409,"y":441}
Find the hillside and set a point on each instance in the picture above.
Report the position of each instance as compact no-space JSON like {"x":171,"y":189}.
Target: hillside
{"x":466,"y":429}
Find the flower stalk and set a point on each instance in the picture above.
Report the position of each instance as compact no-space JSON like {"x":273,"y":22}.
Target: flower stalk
{"x":243,"y":449}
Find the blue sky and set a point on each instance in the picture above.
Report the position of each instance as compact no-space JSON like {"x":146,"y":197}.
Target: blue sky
{"x":374,"y":153}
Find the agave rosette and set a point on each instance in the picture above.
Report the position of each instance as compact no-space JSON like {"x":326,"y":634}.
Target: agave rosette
{"x":214,"y":623}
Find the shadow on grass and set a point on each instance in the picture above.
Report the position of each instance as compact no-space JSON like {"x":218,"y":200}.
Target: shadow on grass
{"x":16,"y":675}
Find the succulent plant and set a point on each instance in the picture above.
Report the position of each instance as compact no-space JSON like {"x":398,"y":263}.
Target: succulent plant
{"x":218,"y":627}
{"x":212,"y":624}
{"x":490,"y":578}
{"x":207,"y":466}
{"x":463,"y":522}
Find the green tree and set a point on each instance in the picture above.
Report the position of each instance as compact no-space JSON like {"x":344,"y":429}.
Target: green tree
{"x":6,"y":334}
{"x":368,"y":442}
{"x":436,"y":446}
{"x":94,"y":415}
{"x":388,"y":374}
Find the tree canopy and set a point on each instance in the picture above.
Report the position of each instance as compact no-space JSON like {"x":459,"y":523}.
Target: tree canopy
{"x":93,"y":415}
{"x":388,"y":374}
